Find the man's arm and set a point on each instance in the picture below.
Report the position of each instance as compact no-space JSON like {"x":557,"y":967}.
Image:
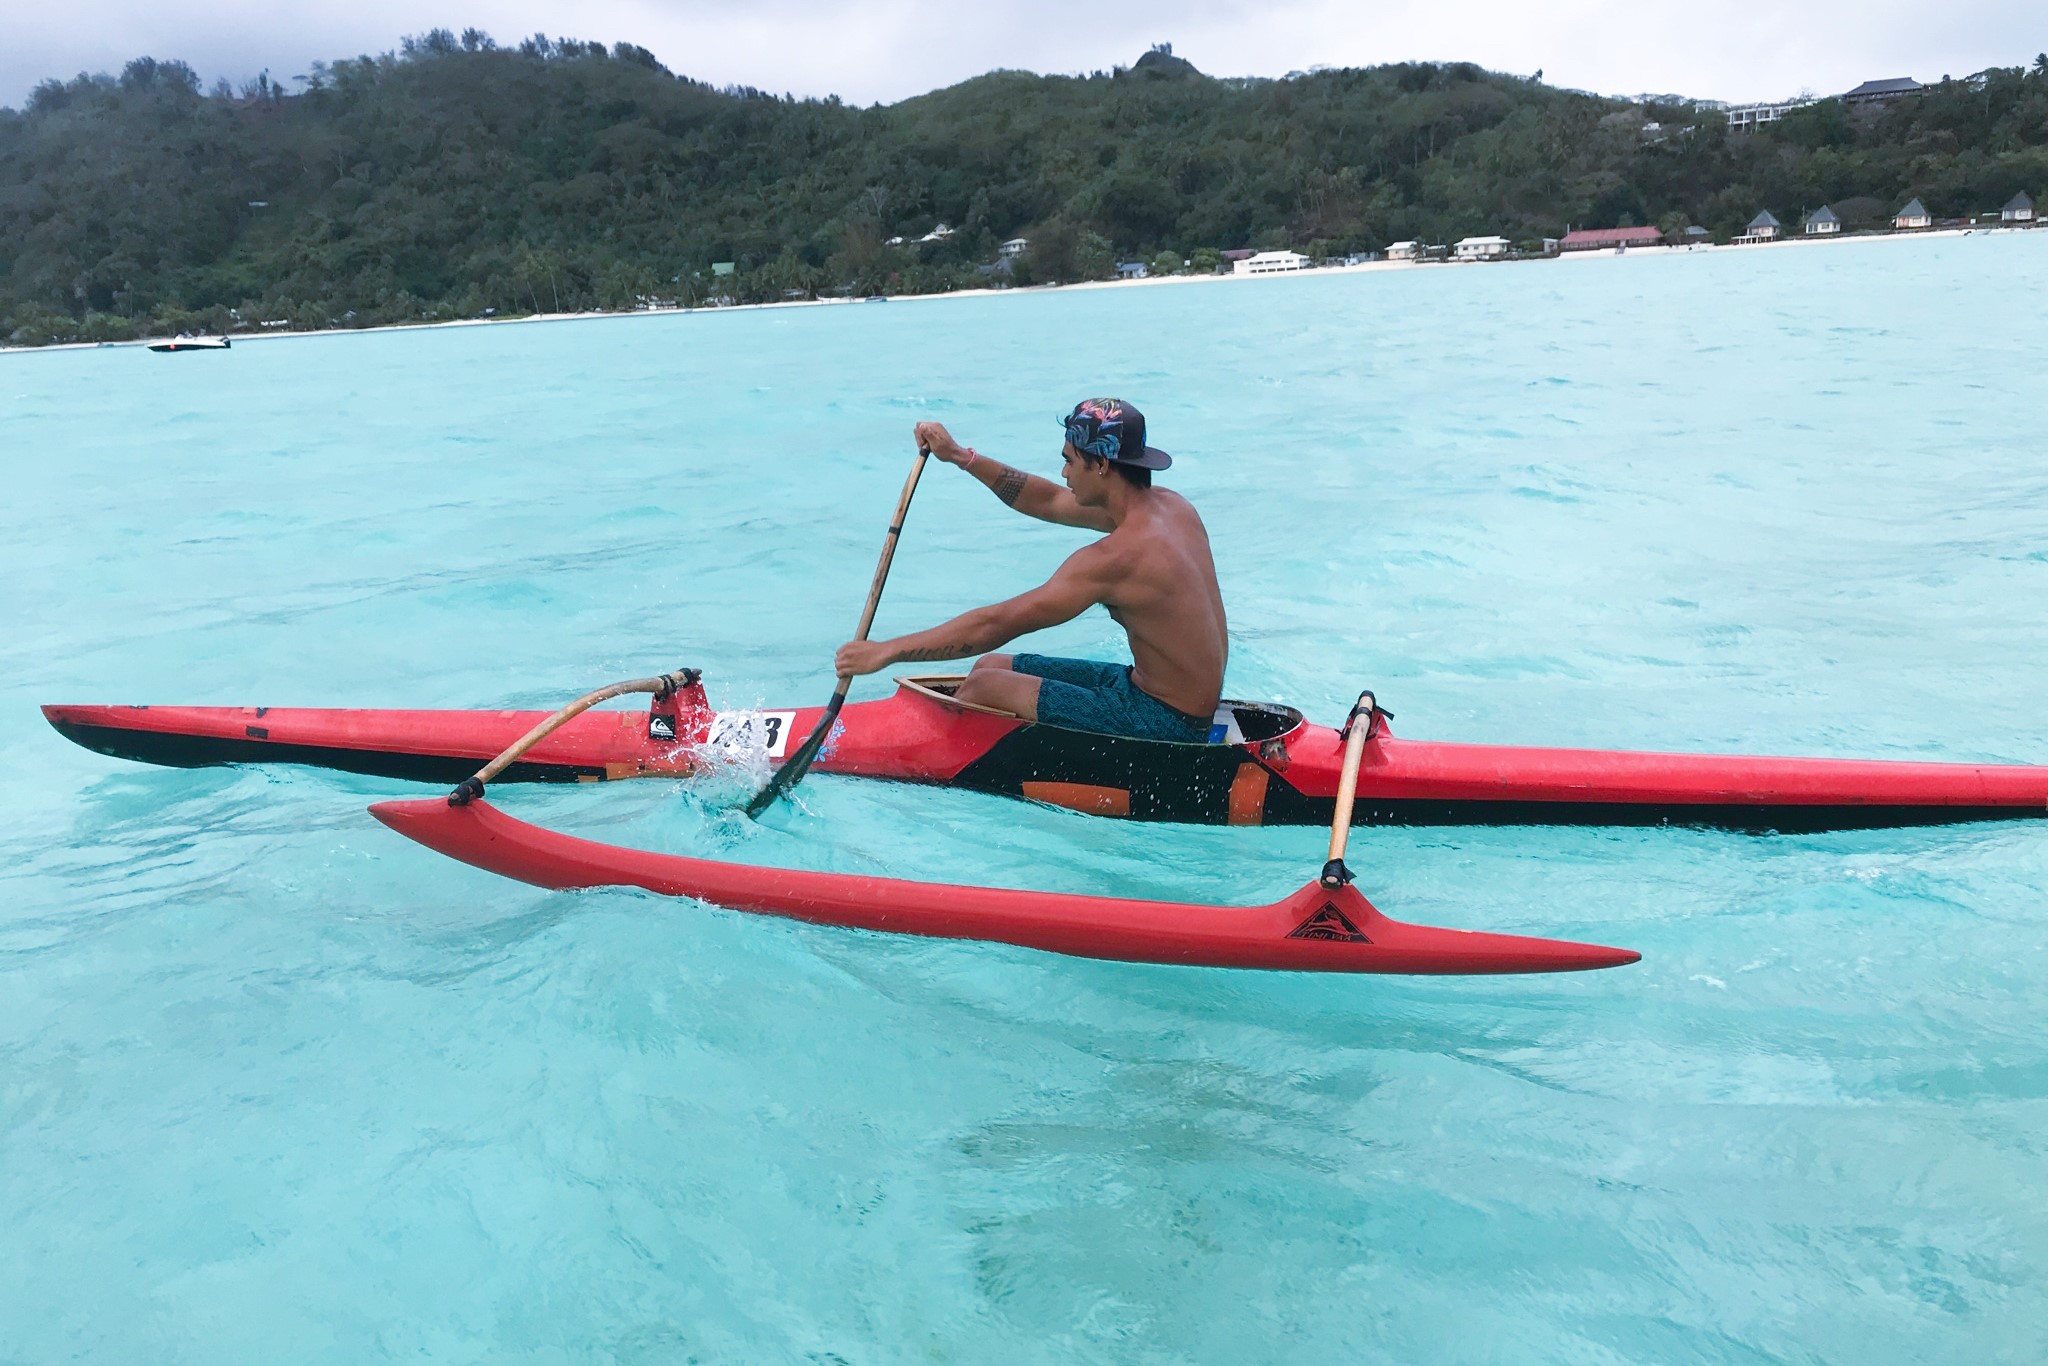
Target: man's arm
{"x":1079,"y":584}
{"x":1029,"y":494}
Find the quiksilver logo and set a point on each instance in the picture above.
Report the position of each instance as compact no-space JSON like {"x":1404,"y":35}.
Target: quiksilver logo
{"x":1329,"y":923}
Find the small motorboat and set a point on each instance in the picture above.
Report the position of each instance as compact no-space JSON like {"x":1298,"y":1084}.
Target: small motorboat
{"x":193,"y":344}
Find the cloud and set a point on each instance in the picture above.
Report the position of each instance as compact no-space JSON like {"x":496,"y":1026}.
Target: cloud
{"x":893,"y":49}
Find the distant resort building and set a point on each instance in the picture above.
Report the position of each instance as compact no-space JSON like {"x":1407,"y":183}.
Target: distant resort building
{"x":1762,"y":228}
{"x":1236,"y":254}
{"x":1914,"y":215}
{"x":1402,"y":251}
{"x":1695,"y":236}
{"x":1480,"y":248}
{"x":938,"y":234}
{"x":1747,"y":118}
{"x":1599,"y":239}
{"x":1014,"y":247}
{"x":2019,"y":210}
{"x":1881,"y":93}
{"x":1822,"y":221}
{"x":1132,"y":270}
{"x":1271,"y":263}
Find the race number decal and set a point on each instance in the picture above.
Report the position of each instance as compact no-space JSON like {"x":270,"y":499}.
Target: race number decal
{"x":767,"y":731}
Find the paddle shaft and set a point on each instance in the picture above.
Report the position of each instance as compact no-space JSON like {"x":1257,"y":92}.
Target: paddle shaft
{"x":794,"y":768}
{"x":661,"y":686}
{"x":1357,"y":730}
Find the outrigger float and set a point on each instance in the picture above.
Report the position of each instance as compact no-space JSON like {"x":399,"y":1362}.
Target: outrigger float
{"x":1317,"y":929}
{"x":1264,"y":765}
{"x":1326,"y":926}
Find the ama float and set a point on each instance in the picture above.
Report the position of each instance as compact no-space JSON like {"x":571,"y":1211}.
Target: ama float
{"x":1326,"y":926}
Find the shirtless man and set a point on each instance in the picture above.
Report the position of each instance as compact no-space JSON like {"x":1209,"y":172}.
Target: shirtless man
{"x":1152,"y":571}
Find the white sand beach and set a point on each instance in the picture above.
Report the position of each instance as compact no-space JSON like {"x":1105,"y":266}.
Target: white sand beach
{"x":1364,"y":268}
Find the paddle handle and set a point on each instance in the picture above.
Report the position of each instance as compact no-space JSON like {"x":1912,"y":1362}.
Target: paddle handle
{"x":661,"y":685}
{"x":867,"y":613}
{"x":799,"y":763}
{"x":1357,"y":730}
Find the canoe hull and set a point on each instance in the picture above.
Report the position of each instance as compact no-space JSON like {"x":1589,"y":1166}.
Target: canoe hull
{"x":1288,"y":777}
{"x":1311,"y":931}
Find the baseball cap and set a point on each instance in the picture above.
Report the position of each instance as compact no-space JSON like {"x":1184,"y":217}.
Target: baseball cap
{"x":1114,"y":430}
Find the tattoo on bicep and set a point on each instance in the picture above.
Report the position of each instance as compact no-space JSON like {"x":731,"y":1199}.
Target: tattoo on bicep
{"x":1009,"y":485}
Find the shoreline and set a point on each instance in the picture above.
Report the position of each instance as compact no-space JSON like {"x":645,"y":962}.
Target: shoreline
{"x":1366,"y":267}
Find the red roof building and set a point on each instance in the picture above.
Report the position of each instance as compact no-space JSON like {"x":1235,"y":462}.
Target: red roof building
{"x":1594,"y":239}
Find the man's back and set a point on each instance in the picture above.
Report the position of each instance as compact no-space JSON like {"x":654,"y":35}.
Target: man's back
{"x":1163,"y":592}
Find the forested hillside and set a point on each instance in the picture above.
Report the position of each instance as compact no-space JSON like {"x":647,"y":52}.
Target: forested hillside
{"x":455,"y":177}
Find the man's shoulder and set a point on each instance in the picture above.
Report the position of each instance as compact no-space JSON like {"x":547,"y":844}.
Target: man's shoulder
{"x":1177,"y":514}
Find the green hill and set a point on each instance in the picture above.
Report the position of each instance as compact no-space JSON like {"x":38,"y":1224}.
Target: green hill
{"x":455,"y":177}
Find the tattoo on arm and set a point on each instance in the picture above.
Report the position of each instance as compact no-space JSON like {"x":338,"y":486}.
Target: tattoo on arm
{"x":929,"y":654}
{"x":1009,"y":485}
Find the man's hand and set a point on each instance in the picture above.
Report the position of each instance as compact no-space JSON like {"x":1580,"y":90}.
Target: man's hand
{"x":933,"y":437}
{"x":858,"y":657}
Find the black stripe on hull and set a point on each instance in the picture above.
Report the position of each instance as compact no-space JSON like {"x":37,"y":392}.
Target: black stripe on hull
{"x":1184,"y":784}
{"x":1739,"y":818}
{"x":208,"y":751}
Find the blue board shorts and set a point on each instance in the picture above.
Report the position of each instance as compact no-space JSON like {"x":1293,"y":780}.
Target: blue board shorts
{"x":1081,"y":694}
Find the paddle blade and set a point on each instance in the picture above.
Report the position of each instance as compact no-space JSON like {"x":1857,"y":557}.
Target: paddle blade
{"x":793,"y":768}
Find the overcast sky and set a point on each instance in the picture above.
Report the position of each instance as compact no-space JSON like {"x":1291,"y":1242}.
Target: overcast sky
{"x":890,"y":49}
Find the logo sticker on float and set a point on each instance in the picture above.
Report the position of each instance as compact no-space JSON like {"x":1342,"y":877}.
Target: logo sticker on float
{"x":1331,"y":924}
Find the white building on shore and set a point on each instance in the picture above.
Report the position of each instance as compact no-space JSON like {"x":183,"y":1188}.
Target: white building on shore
{"x":1822,"y":221}
{"x":1480,"y":248}
{"x":1914,"y":215}
{"x":1402,"y":251}
{"x":1271,"y":263}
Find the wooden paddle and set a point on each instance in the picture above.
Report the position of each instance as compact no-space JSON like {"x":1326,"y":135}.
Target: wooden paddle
{"x":794,"y":768}
{"x":1358,"y":728}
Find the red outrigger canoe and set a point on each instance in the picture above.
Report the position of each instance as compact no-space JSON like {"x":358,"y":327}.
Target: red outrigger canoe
{"x":1264,"y":765}
{"x":1317,"y":929}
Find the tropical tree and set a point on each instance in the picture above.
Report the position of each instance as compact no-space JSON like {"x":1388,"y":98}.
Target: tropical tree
{"x":456,"y":176}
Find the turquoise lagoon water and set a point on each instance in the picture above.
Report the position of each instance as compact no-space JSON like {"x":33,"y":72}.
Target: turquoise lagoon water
{"x":276,"y":1085}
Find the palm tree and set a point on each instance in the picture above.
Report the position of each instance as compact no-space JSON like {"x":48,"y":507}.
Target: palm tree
{"x":2041,"y":65}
